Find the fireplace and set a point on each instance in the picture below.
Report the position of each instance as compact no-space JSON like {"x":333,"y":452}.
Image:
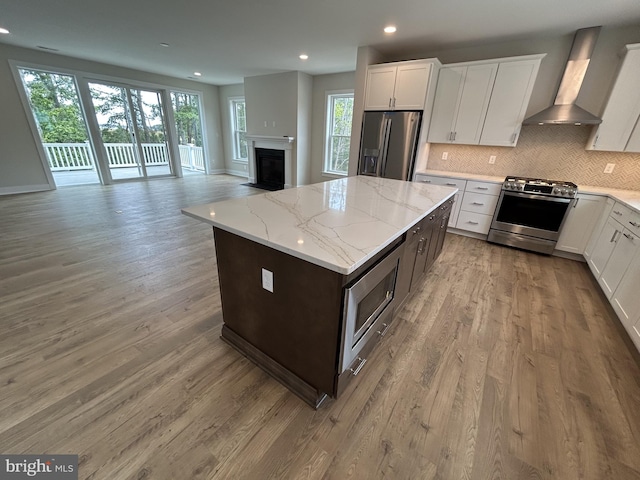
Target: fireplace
{"x":270,"y":168}
{"x":284,"y":145}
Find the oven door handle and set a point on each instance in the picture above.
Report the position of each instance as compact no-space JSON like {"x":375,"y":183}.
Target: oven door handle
{"x":533,"y":196}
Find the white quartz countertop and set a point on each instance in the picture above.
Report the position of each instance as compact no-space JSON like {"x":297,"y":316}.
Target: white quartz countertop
{"x":629,"y":197}
{"x":338,"y":224}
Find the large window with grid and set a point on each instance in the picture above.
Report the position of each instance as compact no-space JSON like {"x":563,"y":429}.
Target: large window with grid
{"x":338,"y":132}
{"x":239,"y":128}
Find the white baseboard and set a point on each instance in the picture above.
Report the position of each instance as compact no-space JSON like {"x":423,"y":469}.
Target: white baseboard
{"x":25,"y":189}
{"x":236,"y":173}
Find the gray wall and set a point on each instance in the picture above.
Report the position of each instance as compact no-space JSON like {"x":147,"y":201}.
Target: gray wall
{"x":20,"y":166}
{"x":321,"y":85}
{"x":226,"y":92}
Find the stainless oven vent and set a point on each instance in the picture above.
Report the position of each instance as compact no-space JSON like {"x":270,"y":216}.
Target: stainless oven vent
{"x":564,"y":110}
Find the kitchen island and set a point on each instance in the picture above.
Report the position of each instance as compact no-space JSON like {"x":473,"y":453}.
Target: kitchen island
{"x":293,"y":264}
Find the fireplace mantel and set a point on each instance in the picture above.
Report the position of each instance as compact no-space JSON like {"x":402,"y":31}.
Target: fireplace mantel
{"x":277,"y":143}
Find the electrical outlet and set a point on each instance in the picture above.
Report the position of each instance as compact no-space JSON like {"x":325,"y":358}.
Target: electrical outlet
{"x":445,"y":155}
{"x":492,"y":159}
{"x":609,"y":167}
{"x":273,"y":124}
{"x":265,"y":123}
{"x":267,"y":280}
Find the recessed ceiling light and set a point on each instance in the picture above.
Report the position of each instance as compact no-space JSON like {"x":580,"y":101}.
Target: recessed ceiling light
{"x":304,"y":57}
{"x":390,"y":29}
{"x":164,"y":44}
{"x":5,"y":31}
{"x":197,"y":74}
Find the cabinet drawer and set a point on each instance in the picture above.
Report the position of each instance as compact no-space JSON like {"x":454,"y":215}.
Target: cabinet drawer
{"x":474,"y":222}
{"x":483,"y":187}
{"x":448,"y":181}
{"x":632,"y":221}
{"x":479,"y":203}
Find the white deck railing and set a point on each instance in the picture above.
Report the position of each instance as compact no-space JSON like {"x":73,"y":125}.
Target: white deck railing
{"x":78,"y":156}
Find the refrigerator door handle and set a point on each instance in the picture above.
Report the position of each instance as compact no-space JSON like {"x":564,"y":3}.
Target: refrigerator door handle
{"x":382,"y":165}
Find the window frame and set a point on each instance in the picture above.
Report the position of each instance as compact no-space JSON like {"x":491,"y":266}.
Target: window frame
{"x":235,"y":132}
{"x":330,"y":97}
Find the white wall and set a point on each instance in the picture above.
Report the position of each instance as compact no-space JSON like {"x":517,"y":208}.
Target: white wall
{"x":232,"y":166}
{"x":366,"y":56}
{"x":272,"y":104}
{"x":303,"y":135}
{"x":20,"y":166}
{"x":321,"y":85}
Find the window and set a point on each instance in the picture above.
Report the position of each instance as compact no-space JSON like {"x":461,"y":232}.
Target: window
{"x":338,"y":133}
{"x":239,"y":128}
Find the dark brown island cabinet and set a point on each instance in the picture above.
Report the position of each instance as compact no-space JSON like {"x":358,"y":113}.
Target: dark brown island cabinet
{"x":311,"y":327}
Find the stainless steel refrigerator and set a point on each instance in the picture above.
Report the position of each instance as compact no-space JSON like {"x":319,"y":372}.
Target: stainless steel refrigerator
{"x":388,"y":144}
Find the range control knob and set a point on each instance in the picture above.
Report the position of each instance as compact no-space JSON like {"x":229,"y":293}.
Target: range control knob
{"x":556,"y":191}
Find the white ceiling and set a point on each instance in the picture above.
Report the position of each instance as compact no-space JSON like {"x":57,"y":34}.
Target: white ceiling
{"x":228,"y":41}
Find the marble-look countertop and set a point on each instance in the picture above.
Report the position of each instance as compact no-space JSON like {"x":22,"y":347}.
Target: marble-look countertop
{"x":339,"y":224}
{"x":631,"y":198}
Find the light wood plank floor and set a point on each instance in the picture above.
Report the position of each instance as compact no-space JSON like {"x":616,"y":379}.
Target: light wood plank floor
{"x":506,"y":365}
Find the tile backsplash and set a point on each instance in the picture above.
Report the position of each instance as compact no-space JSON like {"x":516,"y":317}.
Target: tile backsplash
{"x":555,"y":152}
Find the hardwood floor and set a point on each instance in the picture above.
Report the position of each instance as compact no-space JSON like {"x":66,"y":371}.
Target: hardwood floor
{"x":505,"y":365}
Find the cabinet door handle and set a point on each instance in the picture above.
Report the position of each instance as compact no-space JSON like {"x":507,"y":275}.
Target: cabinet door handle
{"x":576,"y":204}
{"x":454,"y":136}
{"x":420,"y":246}
{"x":595,"y":141}
{"x":390,"y":99}
{"x":359,"y":367}
{"x":613,"y":238}
{"x":476,"y":203}
{"x":472,"y":223}
{"x":451,"y":184}
{"x":635,"y":224}
{"x":513,"y":137}
{"x":384,"y":332}
{"x":426,"y":181}
{"x":630,"y":237}
{"x":450,"y":136}
{"x":482,"y":188}
{"x":617,"y":212}
{"x":394,"y":102}
{"x":416,"y":231}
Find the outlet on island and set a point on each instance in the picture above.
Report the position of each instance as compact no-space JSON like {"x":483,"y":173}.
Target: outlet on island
{"x":267,"y":280}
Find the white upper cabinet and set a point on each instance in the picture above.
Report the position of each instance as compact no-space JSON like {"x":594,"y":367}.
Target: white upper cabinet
{"x":397,"y":86}
{"x":618,"y":132}
{"x":462,"y":98}
{"x":483,"y":103}
{"x":509,"y":101}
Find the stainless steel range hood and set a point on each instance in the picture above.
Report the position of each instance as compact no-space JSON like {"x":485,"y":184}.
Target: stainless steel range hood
{"x":564,"y":110}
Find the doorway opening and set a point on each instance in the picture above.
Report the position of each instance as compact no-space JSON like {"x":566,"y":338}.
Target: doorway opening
{"x":57,"y":112}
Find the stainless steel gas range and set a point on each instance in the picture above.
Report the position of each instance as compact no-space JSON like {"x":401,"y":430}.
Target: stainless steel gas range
{"x":530,"y":213}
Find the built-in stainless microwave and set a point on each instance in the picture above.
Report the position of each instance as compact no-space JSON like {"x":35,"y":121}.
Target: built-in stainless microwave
{"x":368,"y":306}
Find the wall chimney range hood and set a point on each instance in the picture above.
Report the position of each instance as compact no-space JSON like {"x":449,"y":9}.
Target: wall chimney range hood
{"x":564,"y":110}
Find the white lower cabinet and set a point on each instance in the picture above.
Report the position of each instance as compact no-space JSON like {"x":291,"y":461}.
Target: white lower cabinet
{"x":626,"y":299}
{"x":459,"y":183}
{"x":580,"y":223}
{"x":477,"y":206}
{"x":604,"y":246}
{"x":626,"y":246}
{"x":604,"y":215}
{"x":635,"y":335}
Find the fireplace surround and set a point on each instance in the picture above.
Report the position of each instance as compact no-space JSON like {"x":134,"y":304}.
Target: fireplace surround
{"x":284,"y":144}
